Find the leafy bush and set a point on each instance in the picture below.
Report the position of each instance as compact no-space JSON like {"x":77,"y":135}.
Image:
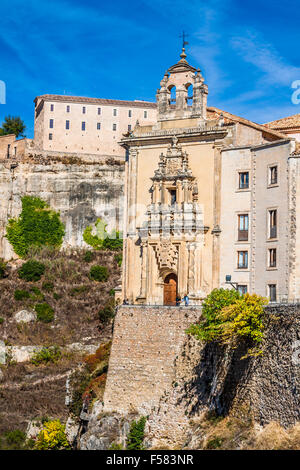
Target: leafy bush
{"x":102,"y":239}
{"x":112,"y":292}
{"x":56,"y":296}
{"x":32,"y":270}
{"x":52,"y":437}
{"x":88,"y":256}
{"x":1,"y":320}
{"x":13,"y":440}
{"x":107,"y":312}
{"x":136,"y":434}
{"x":48,"y":286}
{"x":99,"y":273}
{"x":36,"y":293}
{"x":228,"y":316}
{"x":21,"y":294}
{"x":45,"y":312}
{"x":3,"y":265}
{"x":45,"y":355}
{"x":37,"y":225}
{"x":119,"y":259}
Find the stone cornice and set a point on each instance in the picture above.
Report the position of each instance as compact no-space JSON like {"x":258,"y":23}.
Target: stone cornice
{"x":165,"y":135}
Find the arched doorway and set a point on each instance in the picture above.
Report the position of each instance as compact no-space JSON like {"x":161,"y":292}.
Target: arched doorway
{"x":170,"y":289}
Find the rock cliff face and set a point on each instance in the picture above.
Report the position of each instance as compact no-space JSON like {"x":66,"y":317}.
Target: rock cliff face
{"x":81,"y":191}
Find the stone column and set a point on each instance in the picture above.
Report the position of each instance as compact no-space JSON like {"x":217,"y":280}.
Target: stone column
{"x":191,"y":269}
{"x":142,"y":295}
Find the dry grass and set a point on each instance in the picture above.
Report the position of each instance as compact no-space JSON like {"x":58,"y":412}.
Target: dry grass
{"x":231,"y":433}
{"x":75,"y":298}
{"x":30,"y":392}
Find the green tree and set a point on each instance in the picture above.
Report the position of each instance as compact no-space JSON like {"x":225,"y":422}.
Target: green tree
{"x":37,"y":225}
{"x":13,"y":125}
{"x":228,"y":317}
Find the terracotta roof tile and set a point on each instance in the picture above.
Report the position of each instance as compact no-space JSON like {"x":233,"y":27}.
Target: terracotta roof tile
{"x":288,"y":122}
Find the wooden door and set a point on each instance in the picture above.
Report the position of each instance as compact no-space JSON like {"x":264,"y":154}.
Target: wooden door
{"x":170,"y":289}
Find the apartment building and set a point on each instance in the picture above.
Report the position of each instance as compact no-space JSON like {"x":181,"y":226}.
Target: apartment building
{"x":72,"y":124}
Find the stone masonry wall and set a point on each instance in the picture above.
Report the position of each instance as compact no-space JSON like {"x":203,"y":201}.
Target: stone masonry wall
{"x":146,"y":342}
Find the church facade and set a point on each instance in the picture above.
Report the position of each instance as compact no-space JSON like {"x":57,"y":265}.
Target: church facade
{"x":208,"y":195}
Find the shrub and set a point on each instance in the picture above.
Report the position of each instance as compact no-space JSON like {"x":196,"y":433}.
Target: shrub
{"x":102,"y":239}
{"x":2,"y":269}
{"x":46,"y":354}
{"x":229,"y":316}
{"x":112,"y":292}
{"x":106,"y":313}
{"x":45,"y":312}
{"x":99,"y":273}
{"x":37,"y":225}
{"x":13,"y":440}
{"x":1,"y":320}
{"x":245,"y":320}
{"x":88,"y":256}
{"x":21,"y":294}
{"x":136,"y":434}
{"x":48,"y":286}
{"x":56,"y":296}
{"x":52,"y":437}
{"x":119,"y":259}
{"x":209,"y":327}
{"x":36,"y":294}
{"x":32,"y":270}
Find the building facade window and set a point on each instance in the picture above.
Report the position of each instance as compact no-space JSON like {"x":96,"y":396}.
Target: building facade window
{"x":114,"y":112}
{"x":130,"y":113}
{"x":242,"y":289}
{"x":273,"y":175}
{"x":242,"y":259}
{"x":99,"y":111}
{"x":114,"y":127}
{"x":243,"y":228}
{"x":272,"y":292}
{"x":50,"y":136}
{"x":83,"y":110}
{"x":272,"y":258}
{"x":172,"y":193}
{"x":98,"y":126}
{"x":52,"y":107}
{"x":273,"y":223}
{"x":51,"y":123}
{"x":83,"y":126}
{"x":145,"y":114}
{"x":244,"y":180}
{"x":67,"y":125}
{"x":68,"y":109}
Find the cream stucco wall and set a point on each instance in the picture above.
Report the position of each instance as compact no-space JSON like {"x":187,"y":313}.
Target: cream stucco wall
{"x":234,"y":201}
{"x":103,"y":141}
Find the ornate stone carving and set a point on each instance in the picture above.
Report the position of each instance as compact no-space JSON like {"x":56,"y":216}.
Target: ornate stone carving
{"x":166,"y":255}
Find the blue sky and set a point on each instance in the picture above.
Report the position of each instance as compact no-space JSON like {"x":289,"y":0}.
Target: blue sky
{"x":247,"y":51}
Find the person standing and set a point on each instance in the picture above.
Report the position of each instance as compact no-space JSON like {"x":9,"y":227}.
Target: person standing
{"x":186,"y":300}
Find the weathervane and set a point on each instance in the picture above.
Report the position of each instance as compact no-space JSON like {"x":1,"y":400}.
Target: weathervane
{"x":184,"y":36}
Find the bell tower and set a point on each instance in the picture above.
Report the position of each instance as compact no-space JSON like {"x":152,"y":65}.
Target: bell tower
{"x":182,"y":93}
